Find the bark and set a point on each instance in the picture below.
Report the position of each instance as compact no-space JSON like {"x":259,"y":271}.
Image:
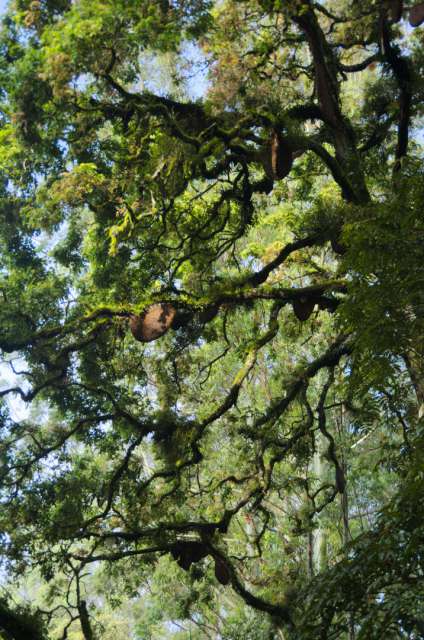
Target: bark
{"x":85,"y":621}
{"x":319,"y":535}
{"x":415,"y":366}
{"x":344,"y":505}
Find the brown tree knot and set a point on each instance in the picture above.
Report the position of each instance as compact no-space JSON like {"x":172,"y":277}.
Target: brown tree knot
{"x":189,"y":552}
{"x":303,"y":307}
{"x":416,"y":15}
{"x":281,"y":156}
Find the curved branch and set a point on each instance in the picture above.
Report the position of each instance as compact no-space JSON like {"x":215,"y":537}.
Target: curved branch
{"x":341,"y":347}
{"x":359,"y":66}
{"x":402,"y":71}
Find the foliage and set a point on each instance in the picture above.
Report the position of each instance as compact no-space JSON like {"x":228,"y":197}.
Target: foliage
{"x":255,"y":470}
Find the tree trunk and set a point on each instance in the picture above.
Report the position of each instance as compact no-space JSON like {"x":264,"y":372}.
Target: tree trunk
{"x":319,"y":535}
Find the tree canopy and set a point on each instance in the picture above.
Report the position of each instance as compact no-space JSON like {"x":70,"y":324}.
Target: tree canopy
{"x":211,"y":320}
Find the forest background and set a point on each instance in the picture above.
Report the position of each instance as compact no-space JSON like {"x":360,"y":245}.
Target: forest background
{"x":211,"y":320}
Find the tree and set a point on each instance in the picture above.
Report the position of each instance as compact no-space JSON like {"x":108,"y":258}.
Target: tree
{"x":213,"y":309}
